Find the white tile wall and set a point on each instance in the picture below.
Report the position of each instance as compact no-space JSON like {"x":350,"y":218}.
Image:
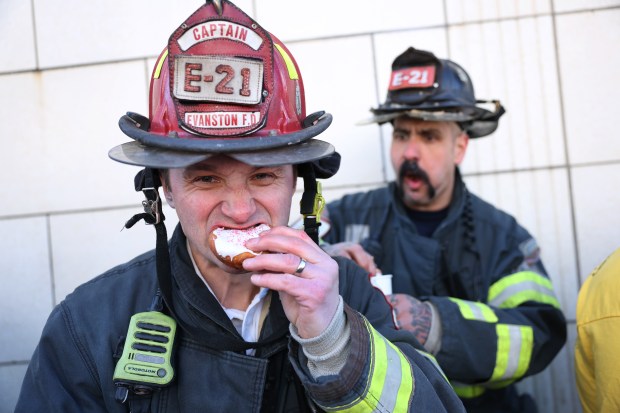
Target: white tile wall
{"x":572,"y":5}
{"x":61,"y":134}
{"x":597,"y":202}
{"x":88,"y":244}
{"x":514,"y":61}
{"x":319,"y":20}
{"x":26,"y":286}
{"x":11,"y":378}
{"x":16,"y":36}
{"x":460,"y":11}
{"x":591,"y":79}
{"x":553,"y":162}
{"x":91,"y":32}
{"x":340,"y":81}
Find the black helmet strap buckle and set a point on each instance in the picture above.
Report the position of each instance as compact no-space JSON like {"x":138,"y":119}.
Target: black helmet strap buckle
{"x":152,"y":206}
{"x":148,"y":181}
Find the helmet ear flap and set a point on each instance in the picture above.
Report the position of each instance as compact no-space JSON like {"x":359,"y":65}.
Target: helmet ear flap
{"x":326,"y":167}
{"x":487,"y":123}
{"x":147,"y":178}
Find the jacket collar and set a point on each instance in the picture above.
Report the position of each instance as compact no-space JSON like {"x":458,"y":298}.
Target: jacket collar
{"x":198,"y":307}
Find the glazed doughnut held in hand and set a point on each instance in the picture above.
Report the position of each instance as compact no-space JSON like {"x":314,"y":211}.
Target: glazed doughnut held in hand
{"x":228,"y":245}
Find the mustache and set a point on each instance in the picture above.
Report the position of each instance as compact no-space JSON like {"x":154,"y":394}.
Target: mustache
{"x":413,"y":170}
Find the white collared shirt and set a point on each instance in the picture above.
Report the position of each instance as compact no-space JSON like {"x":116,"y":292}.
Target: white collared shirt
{"x":246,"y":322}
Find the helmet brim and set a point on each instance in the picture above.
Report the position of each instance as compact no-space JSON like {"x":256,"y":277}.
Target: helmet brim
{"x":136,"y":153}
{"x":157,"y":151}
{"x":439,"y":115}
{"x":477,"y":121}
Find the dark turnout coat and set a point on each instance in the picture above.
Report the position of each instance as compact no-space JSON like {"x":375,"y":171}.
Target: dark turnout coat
{"x":482,"y":271}
{"x":72,"y":367}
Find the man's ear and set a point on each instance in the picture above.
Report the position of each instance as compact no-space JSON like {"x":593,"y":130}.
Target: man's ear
{"x":165,"y":188}
{"x":460,"y":147}
{"x":169,"y":198}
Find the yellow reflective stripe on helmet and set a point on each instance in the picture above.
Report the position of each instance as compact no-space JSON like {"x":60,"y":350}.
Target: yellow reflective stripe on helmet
{"x":468,"y":392}
{"x":471,"y":310}
{"x":159,"y":64}
{"x":514,"y":351}
{"x":390,"y":383}
{"x":292,"y":71}
{"x":515,"y":289}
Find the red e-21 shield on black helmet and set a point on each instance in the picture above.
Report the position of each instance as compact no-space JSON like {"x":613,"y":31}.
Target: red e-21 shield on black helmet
{"x":425,"y":87}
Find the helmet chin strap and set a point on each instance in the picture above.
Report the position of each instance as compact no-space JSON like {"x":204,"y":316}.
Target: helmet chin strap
{"x":312,"y":201}
{"x":148,"y":181}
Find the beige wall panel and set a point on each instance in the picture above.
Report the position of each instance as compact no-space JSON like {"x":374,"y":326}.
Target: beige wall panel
{"x":88,"y":244}
{"x":344,"y":88}
{"x":307,"y":20}
{"x":26,"y":286}
{"x":597,"y":202}
{"x":460,"y":11}
{"x":572,"y":5}
{"x":82,"y":32}
{"x":11,"y":378}
{"x":17,"y":36}
{"x":513,"y":61}
{"x":62,"y":134}
{"x":590,"y":83}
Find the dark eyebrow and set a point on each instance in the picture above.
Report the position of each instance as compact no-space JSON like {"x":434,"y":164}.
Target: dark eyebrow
{"x":401,"y":130}
{"x":429,"y":129}
{"x":202,"y":167}
{"x":199,"y":168}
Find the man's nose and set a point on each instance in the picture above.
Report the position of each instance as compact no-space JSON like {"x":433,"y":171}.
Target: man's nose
{"x":239,"y":205}
{"x":412,"y":150}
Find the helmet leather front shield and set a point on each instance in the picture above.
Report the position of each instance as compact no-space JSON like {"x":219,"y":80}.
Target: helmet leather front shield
{"x":221,"y":75}
{"x":223,"y":85}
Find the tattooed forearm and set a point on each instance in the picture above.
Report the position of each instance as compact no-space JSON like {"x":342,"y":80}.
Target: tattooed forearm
{"x":412,"y":315}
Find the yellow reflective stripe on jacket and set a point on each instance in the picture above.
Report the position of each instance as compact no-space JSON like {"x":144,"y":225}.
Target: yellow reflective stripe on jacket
{"x":471,"y":310}
{"x":515,"y":289}
{"x":468,"y":392}
{"x":514,"y":351}
{"x":390,"y":383}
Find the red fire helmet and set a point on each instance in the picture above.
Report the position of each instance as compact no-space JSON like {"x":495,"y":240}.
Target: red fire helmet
{"x":224,"y":85}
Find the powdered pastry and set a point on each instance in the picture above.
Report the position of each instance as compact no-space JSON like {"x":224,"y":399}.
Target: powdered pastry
{"x":228,"y":245}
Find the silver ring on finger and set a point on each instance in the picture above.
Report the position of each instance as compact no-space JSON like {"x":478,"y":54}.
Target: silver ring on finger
{"x":301,"y":266}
